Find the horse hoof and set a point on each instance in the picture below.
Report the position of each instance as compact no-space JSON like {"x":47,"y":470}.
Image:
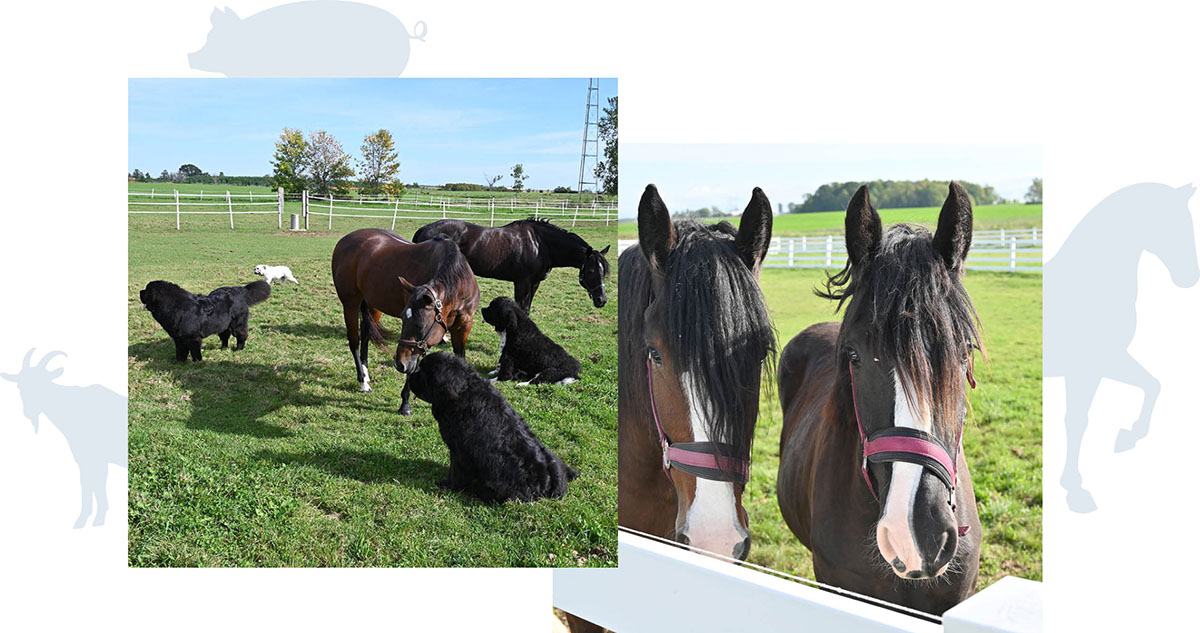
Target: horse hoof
{"x":1080,"y":501}
{"x":405,"y":411}
{"x":364,"y":389}
{"x":1126,"y":439}
{"x":80,"y":523}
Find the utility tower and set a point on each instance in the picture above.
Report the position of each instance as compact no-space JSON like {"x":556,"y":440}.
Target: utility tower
{"x":591,"y":140}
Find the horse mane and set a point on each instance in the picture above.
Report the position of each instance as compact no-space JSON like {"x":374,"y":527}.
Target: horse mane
{"x":915,"y":310}
{"x":453,"y":270}
{"x":719,"y":330}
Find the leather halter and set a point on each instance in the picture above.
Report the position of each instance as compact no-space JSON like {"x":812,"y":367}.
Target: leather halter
{"x":913,"y":446}
{"x":421,"y":346}
{"x":706,"y":460}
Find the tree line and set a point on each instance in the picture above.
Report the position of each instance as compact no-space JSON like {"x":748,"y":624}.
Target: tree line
{"x":316,"y":161}
{"x":891,"y":194}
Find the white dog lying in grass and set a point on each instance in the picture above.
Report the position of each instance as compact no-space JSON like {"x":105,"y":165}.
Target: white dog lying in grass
{"x":275,"y":272}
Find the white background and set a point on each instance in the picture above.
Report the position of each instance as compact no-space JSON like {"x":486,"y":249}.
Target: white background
{"x":1107,"y":88}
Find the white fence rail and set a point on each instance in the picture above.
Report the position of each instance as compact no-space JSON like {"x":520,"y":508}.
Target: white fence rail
{"x":1011,"y":250}
{"x":660,"y":587}
{"x":480,"y":210}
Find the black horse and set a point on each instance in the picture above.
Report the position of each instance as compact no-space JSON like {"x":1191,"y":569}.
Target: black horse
{"x":523,"y":252}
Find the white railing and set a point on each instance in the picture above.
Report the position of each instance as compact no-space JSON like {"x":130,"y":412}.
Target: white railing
{"x":662,"y":587}
{"x":176,"y":206}
{"x":1011,"y":250}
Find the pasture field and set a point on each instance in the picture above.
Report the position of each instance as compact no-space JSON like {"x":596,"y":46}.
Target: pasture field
{"x":1002,"y":439}
{"x":987,"y":217}
{"x":270,"y":456}
{"x":218,"y":192}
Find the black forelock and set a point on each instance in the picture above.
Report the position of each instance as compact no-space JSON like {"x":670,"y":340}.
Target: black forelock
{"x":914,"y":310}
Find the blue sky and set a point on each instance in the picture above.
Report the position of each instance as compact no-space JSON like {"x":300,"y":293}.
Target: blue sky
{"x":694,"y":176}
{"x":446,"y":130}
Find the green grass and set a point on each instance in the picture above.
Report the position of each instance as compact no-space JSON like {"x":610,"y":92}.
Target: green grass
{"x":270,"y":456}
{"x":1003,"y":437}
{"x":988,"y":217}
{"x":218,"y":192}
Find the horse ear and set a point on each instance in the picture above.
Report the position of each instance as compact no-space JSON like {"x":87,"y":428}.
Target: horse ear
{"x":953,"y":237}
{"x":656,"y":233}
{"x":864,"y":229}
{"x":604,"y":251}
{"x":405,"y":284}
{"x":754,"y":230}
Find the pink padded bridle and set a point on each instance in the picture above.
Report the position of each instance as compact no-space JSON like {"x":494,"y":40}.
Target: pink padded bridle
{"x":914,"y":446}
{"x":706,"y":460}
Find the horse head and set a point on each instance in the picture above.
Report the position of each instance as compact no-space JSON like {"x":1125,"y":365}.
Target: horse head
{"x":423,"y":325}
{"x":1174,"y":241}
{"x":593,"y":273}
{"x":905,"y":352}
{"x":35,"y":384}
{"x":706,"y":336}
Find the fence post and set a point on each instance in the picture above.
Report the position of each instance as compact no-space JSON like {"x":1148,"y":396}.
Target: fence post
{"x":492,"y":208}
{"x":1035,"y":233}
{"x":804,"y":244}
{"x":151,"y":193}
{"x":1001,"y":237}
{"x":176,"y":209}
{"x":791,"y":253}
{"x":828,"y":251}
{"x":280,"y":207}
{"x":537,"y":204}
{"x":331,"y":211}
{"x":1012,"y":261}
{"x":229,"y":201}
{"x":304,"y":206}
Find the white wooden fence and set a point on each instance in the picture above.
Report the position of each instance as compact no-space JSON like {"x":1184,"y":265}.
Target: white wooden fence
{"x":662,"y":587}
{"x":1003,"y":249}
{"x":425,"y":208}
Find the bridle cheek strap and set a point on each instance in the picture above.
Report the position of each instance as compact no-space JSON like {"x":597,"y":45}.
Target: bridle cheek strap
{"x":706,"y":460}
{"x":913,"y":446}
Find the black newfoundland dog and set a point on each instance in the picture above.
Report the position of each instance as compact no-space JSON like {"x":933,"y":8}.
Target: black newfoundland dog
{"x":493,"y":454}
{"x":526,"y":353}
{"x":188,"y":318}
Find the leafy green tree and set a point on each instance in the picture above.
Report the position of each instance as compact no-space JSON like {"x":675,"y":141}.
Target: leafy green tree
{"x":327,"y":165}
{"x":379,"y":164}
{"x":289,"y":161}
{"x":189,"y":170}
{"x":606,"y":170}
{"x":1034,"y":195}
{"x":519,"y":176}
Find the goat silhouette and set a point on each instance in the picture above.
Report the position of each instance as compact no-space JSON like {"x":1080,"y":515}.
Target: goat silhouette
{"x":92,"y":419}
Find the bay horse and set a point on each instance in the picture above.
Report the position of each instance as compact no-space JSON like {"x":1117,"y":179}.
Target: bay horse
{"x":523,"y":252}
{"x":1095,"y":273}
{"x":429,"y":286}
{"x":695,"y":341}
{"x":872,"y":476}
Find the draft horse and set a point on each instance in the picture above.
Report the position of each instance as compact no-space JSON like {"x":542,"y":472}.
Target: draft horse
{"x":429,"y":286}
{"x":695,"y":340}
{"x":523,"y":252}
{"x":872,"y":475}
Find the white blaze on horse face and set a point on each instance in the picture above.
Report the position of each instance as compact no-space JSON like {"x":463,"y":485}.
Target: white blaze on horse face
{"x":894,"y":533}
{"x":712,"y":521}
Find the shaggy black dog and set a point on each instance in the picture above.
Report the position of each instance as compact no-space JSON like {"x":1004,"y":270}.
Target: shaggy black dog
{"x":493,"y":454}
{"x":526,"y":353}
{"x":188,"y":318}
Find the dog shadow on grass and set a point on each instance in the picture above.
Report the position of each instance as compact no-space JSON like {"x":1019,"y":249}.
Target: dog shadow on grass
{"x":234,"y":396}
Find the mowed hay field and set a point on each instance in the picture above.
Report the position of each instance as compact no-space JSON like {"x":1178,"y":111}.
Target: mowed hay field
{"x":1002,"y":437}
{"x":987,"y":218}
{"x":271,"y":457}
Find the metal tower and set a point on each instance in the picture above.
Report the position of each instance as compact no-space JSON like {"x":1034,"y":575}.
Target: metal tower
{"x":591,"y":140}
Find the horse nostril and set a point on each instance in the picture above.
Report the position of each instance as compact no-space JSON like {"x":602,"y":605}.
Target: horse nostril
{"x":898,"y":564}
{"x":682,"y":539}
{"x":742,"y":550}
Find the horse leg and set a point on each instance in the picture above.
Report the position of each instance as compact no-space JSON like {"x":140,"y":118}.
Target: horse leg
{"x":405,"y":407}
{"x":459,"y":333}
{"x":98,"y":485}
{"x":1080,"y":392}
{"x":370,"y":317}
{"x":1130,"y":372}
{"x":533,"y":286}
{"x":523,"y":293}
{"x":85,"y":487}
{"x":350,"y":314}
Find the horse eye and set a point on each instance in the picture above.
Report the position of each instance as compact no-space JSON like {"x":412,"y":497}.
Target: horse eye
{"x":656,"y":357}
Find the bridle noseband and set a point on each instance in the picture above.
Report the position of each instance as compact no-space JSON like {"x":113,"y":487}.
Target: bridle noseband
{"x":421,"y":346}
{"x":706,"y":460}
{"x":913,"y":446}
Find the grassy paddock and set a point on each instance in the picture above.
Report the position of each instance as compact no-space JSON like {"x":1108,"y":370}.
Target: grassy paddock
{"x":270,"y":457}
{"x":218,"y":190}
{"x":987,"y":217}
{"x":1003,"y":437}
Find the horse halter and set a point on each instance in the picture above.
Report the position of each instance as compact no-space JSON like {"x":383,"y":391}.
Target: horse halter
{"x":421,"y":346}
{"x":913,"y":446}
{"x":706,"y":460}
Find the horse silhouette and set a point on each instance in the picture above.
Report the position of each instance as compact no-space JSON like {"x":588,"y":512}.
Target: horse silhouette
{"x":92,"y":419}
{"x":1091,"y":306}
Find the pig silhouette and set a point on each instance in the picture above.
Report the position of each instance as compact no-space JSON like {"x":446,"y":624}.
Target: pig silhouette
{"x":319,"y":38}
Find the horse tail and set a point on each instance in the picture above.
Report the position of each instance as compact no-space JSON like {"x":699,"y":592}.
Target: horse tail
{"x":257,"y":292}
{"x":372,"y":329}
